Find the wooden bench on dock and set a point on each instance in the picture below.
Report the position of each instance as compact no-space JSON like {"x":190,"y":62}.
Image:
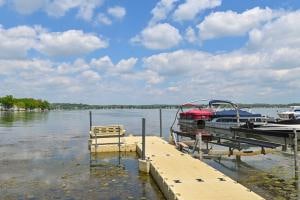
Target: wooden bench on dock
{"x":100,"y":134}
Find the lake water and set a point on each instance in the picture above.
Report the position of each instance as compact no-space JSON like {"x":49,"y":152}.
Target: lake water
{"x":45,"y":156}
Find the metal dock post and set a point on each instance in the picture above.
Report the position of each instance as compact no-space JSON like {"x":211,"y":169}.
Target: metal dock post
{"x":296,"y":153}
{"x":144,"y":164}
{"x":91,"y":121}
{"x":160,"y":123}
{"x":143,"y":138}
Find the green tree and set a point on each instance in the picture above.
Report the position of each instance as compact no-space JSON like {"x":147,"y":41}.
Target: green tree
{"x":20,"y":104}
{"x":7,"y":101}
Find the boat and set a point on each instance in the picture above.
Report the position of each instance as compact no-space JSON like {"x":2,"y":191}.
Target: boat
{"x":293,"y":113}
{"x":225,"y":119}
{"x":231,"y":116}
{"x":291,"y":116}
{"x":283,"y":134}
{"x":238,"y":123}
{"x":192,"y":122}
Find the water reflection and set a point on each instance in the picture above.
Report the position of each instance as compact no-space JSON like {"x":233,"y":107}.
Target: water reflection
{"x":45,"y":156}
{"x":271,"y":176}
{"x":13,"y":118}
{"x":118,"y":177}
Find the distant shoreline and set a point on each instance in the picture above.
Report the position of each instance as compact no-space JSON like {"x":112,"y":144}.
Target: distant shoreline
{"x":71,"y":106}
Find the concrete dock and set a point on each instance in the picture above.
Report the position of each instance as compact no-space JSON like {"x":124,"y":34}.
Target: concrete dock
{"x":178,"y":175}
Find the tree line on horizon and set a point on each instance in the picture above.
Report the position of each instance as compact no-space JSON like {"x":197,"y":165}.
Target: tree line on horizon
{"x":8,"y":102}
{"x":80,"y":106}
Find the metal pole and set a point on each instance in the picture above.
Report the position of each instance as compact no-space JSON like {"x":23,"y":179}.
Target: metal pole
{"x":143,"y":138}
{"x":296,"y":153}
{"x":237,"y":115}
{"x":160,"y":123}
{"x":119,"y":146}
{"x":119,"y":139}
{"x":91,"y":121}
{"x":200,"y":145}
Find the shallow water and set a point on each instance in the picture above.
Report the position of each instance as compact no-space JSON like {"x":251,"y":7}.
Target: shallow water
{"x":45,"y":156}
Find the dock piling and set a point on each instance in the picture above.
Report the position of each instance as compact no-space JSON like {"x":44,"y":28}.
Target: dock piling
{"x":119,"y":139}
{"x":160,"y":123}
{"x":296,"y":153}
{"x":143,"y":138}
{"x":91,"y":124}
{"x":144,"y":164}
{"x":200,"y":145}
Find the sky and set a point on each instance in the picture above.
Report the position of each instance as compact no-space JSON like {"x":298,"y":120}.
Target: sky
{"x":150,"y":51}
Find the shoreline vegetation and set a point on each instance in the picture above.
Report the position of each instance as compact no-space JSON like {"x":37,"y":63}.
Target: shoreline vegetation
{"x":80,"y":106}
{"x":9,"y":103}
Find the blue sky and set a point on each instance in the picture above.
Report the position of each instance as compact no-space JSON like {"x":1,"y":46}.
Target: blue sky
{"x":149,"y":52}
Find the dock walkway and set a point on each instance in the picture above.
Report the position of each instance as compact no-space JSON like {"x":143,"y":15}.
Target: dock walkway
{"x":179,"y":175}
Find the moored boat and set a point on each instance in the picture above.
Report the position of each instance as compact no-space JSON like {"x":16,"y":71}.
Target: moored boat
{"x":231,"y":116}
{"x":292,"y":114}
{"x":224,"y":119}
{"x":239,"y":123}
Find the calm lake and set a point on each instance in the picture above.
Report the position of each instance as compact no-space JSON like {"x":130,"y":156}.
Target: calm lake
{"x":45,"y":156}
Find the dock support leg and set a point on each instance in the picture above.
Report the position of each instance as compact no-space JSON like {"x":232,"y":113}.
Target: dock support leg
{"x":296,"y":153}
{"x":284,"y":147}
{"x":119,"y":144}
{"x":296,"y":162}
{"x":144,"y":164}
{"x":195,"y":145}
{"x":143,"y":138}
{"x":91,"y":120}
{"x":200,"y":145}
{"x":160,"y":123}
{"x":207,"y":144}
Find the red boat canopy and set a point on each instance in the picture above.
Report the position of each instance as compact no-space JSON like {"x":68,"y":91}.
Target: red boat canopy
{"x":196,"y":114}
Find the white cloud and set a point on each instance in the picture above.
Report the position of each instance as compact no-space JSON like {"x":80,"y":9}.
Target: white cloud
{"x":190,"y":35}
{"x":15,"y":42}
{"x":267,"y":65}
{"x":87,"y":7}
{"x":191,"y":8}
{"x":106,"y":65}
{"x":112,"y":14}
{"x":229,"y":23}
{"x":78,"y":65}
{"x":58,"y":8}
{"x":161,"y":10}
{"x":117,"y":12}
{"x":28,"y":7}
{"x":152,"y":77}
{"x":124,"y":65}
{"x":91,"y":75}
{"x":103,"y":19}
{"x":173,"y":89}
{"x":12,"y":66}
{"x":102,"y":63}
{"x":69,"y":43}
{"x":62,"y":81}
{"x":160,"y":36}
{"x":149,"y":76}
{"x":283,"y":32}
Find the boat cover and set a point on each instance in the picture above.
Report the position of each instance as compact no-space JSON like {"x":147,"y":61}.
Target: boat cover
{"x":196,"y":114}
{"x":232,"y":113}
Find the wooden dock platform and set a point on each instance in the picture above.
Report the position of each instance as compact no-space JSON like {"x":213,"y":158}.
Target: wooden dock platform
{"x":179,"y":175}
